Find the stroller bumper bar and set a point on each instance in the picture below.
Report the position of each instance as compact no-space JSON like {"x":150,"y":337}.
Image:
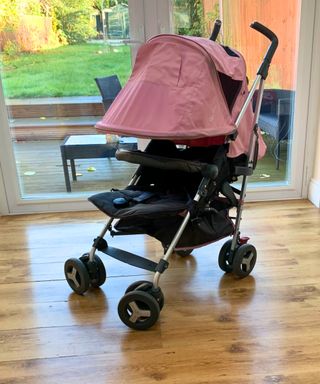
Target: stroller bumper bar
{"x":161,"y":162}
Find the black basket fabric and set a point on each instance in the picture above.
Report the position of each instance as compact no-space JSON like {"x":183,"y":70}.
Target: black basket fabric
{"x":206,"y":228}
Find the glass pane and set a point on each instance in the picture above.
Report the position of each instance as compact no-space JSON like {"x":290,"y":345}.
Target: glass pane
{"x":196,"y":17}
{"x":283,"y":17}
{"x":51,"y":54}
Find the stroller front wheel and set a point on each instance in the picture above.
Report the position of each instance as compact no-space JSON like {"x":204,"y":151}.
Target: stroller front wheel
{"x":224,"y":257}
{"x":138,"y":310}
{"x":77,"y":275}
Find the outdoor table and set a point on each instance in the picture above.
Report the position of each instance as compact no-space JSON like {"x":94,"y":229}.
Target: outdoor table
{"x":89,"y":147}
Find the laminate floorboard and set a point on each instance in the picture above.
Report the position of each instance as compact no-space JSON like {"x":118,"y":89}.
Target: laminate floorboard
{"x":214,"y":328}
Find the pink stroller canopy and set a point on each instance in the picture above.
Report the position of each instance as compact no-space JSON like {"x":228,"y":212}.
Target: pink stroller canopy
{"x":185,"y":89}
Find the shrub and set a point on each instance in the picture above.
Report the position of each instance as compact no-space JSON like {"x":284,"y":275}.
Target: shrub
{"x":25,"y":26}
{"x":194,"y":10}
{"x":73,"y":19}
{"x":11,"y":48}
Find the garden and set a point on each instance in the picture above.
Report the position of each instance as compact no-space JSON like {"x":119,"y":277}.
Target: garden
{"x":55,"y":48}
{"x":65,"y":71}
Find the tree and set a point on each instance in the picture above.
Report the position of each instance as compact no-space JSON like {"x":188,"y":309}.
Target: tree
{"x":73,"y":18}
{"x":194,"y":10}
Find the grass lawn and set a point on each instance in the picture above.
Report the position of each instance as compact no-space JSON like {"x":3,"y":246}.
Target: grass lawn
{"x":64,"y":71}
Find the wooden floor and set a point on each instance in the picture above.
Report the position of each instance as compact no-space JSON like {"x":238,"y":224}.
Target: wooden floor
{"x":213,"y":328}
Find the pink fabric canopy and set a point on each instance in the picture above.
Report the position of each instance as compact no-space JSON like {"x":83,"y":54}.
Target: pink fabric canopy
{"x":186,"y":89}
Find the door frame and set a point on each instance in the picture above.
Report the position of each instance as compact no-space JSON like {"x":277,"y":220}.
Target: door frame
{"x":4,"y":207}
{"x":149,"y":17}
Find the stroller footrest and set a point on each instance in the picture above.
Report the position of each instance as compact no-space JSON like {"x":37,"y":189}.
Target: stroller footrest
{"x":130,"y":258}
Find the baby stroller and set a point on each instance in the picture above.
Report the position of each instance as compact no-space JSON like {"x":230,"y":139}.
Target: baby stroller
{"x":189,"y":95}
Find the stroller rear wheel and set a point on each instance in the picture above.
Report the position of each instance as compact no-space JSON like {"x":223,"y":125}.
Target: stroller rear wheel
{"x":77,"y":275}
{"x":147,"y":286}
{"x":184,"y":252}
{"x":244,"y":260}
{"x":138,"y":310}
{"x":224,"y":257}
{"x":180,"y":252}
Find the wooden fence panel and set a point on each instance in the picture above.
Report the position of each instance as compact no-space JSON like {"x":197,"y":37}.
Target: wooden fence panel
{"x":281,"y":16}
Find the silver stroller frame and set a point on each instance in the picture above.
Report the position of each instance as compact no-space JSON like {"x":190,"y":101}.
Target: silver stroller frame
{"x":228,"y":251}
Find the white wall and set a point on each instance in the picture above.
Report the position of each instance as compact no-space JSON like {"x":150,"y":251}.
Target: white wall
{"x":316,"y":174}
{"x":314,"y":188}
{"x":314,"y":117}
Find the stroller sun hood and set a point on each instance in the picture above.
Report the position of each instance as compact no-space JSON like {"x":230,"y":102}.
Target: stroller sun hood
{"x":183,"y":89}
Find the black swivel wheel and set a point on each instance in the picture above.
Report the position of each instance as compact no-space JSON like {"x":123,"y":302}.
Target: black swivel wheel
{"x":244,"y":260}
{"x":147,"y":286}
{"x":77,"y":275}
{"x":138,"y":310}
{"x":96,"y":270}
{"x":224,"y":257}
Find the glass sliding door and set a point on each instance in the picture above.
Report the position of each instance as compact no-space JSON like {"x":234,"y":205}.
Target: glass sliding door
{"x":278,"y":106}
{"x":58,"y":61}
{"x":277,"y":111}
{"x":51,"y":53}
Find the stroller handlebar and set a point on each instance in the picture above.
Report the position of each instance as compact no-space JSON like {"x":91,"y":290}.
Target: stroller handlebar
{"x":264,"y":68}
{"x":216,"y":30}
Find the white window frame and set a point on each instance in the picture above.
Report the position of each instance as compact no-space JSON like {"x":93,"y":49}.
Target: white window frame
{"x":150,"y":17}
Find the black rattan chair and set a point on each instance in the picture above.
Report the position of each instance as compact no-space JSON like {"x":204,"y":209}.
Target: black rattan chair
{"x":109,"y":88}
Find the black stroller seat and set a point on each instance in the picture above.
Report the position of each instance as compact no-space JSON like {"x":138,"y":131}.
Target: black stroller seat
{"x":139,"y":202}
{"x":157,"y":204}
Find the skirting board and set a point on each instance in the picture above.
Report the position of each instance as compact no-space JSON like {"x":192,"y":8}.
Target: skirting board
{"x":314,"y":192}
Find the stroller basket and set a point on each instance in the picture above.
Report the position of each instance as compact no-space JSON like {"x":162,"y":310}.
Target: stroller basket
{"x":207,"y":228}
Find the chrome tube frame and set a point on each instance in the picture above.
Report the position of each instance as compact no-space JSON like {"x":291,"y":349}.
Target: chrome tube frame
{"x":174,"y":242}
{"x":259,"y":81}
{"x":255,"y":84}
